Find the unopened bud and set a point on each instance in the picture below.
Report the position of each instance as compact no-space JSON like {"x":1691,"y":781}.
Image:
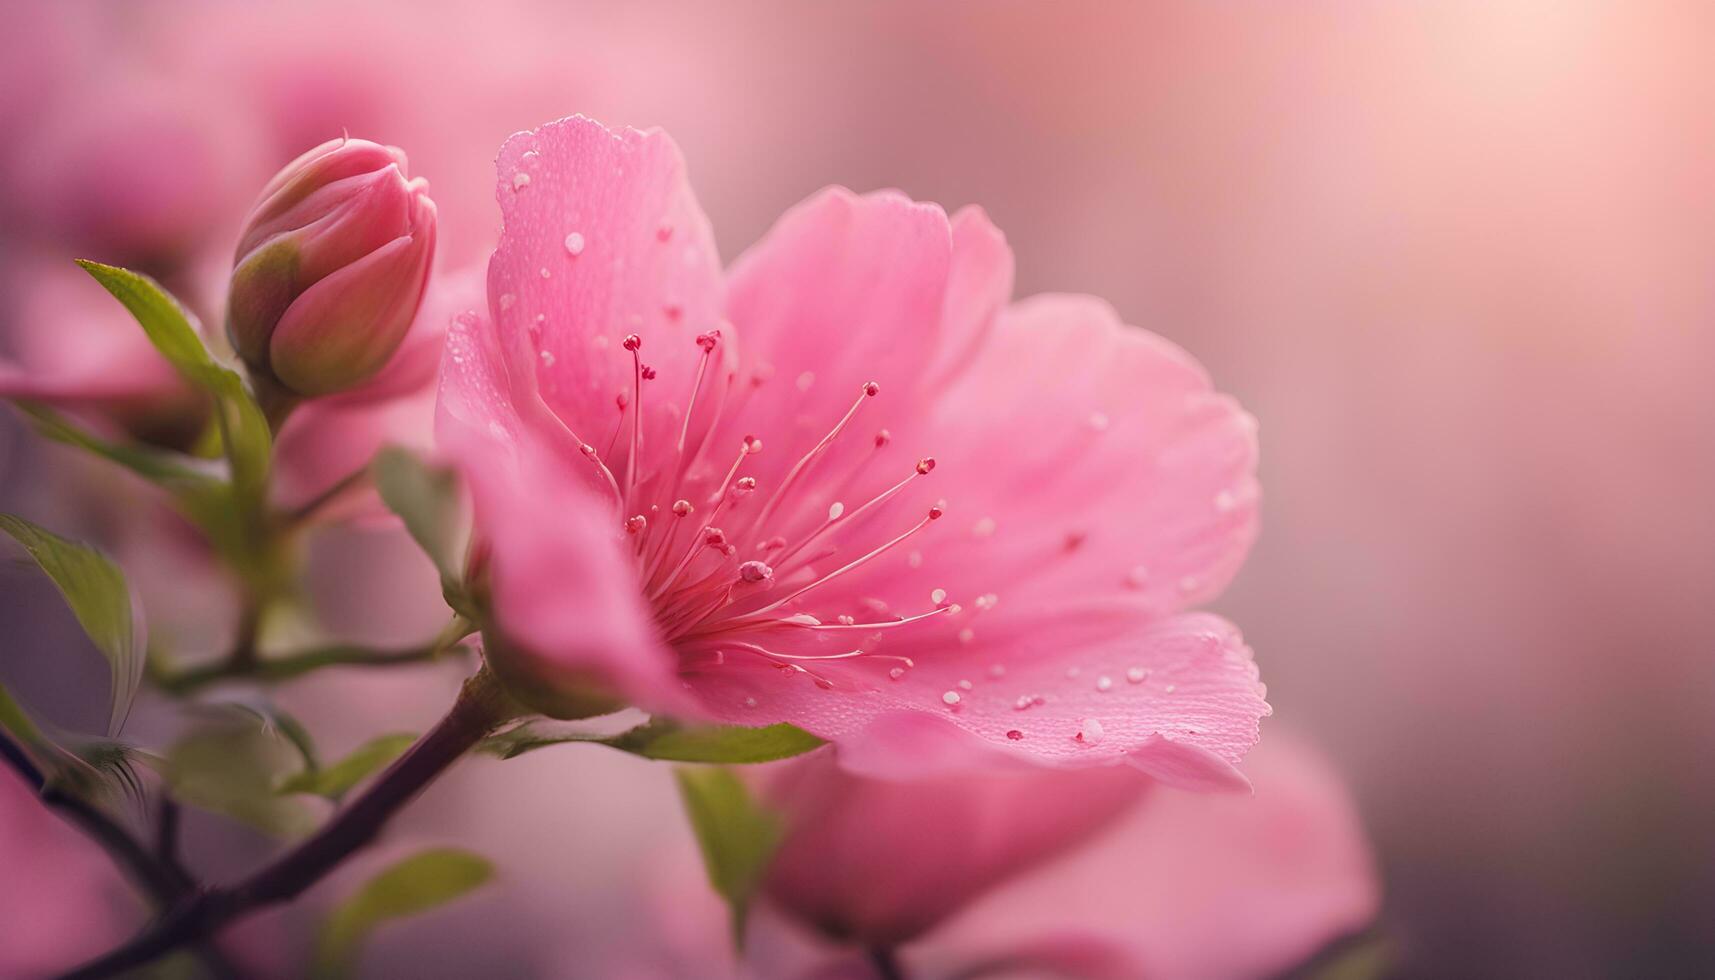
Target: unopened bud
{"x":331,"y":268}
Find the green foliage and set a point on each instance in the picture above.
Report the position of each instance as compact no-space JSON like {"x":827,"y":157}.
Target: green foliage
{"x":426,"y":499}
{"x":737,"y":835}
{"x":664,"y":740}
{"x":95,"y":589}
{"x":245,"y":436}
{"x":173,"y":471}
{"x":417,"y":884}
{"x":232,"y":767}
{"x":338,"y":779}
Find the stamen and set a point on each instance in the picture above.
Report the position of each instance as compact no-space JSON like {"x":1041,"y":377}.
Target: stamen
{"x":870,"y":390}
{"x":923,"y":468}
{"x":935,"y":513}
{"x":632,"y":343}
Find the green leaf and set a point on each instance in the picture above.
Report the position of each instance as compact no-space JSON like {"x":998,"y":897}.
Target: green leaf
{"x":721,"y":744}
{"x":95,"y":589}
{"x":416,"y":884}
{"x":17,"y":723}
{"x":338,"y":779}
{"x":737,"y":835}
{"x":664,"y":740}
{"x":245,"y":436}
{"x":426,"y":499}
{"x":170,"y":470}
{"x":231,"y":768}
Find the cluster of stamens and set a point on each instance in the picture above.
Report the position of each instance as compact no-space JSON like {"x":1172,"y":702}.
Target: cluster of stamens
{"x":707,"y":561}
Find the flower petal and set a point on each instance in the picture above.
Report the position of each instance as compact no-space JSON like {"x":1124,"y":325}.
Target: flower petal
{"x":1178,"y":698}
{"x":602,"y":238}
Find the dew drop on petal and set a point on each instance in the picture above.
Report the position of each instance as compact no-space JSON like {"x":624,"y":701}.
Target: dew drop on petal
{"x":1089,"y":731}
{"x":1014,"y":734}
{"x":938,"y":596}
{"x":896,"y":673}
{"x":1136,"y":675}
{"x":1104,"y":683}
{"x":520,"y":180}
{"x":575,"y":243}
{"x":950,"y":698}
{"x":966,"y":635}
{"x":965,"y":685}
{"x":1171,"y":688}
{"x":750,"y":702}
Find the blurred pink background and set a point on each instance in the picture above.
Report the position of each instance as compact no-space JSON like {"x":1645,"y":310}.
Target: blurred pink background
{"x":1457,"y":258}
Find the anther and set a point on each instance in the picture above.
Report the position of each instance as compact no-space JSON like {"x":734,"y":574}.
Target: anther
{"x":648,"y":373}
{"x":636,"y":523}
{"x":882,"y":438}
{"x":632,"y":341}
{"x":744,"y":486}
{"x":925,"y":464}
{"x":707,"y":341}
{"x":755,"y":571}
{"x":714,"y":537}
{"x":752,"y":445}
{"x":936,"y":511}
{"x":871,"y":389}
{"x":682,"y":508}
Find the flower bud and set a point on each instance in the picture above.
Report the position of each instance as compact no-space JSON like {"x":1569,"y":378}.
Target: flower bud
{"x":331,"y":268}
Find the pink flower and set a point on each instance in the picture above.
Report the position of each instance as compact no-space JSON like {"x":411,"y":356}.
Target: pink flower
{"x":844,"y":485}
{"x":60,"y":898}
{"x":1149,"y":882}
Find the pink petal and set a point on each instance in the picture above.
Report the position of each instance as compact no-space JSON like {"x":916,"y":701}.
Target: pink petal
{"x":881,"y":862}
{"x":1077,"y":457}
{"x":846,"y":290}
{"x":602,"y":238}
{"x":1178,"y":698}
{"x":574,"y":621}
{"x":1189,"y":886}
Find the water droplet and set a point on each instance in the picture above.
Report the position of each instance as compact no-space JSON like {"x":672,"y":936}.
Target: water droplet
{"x":965,"y":685}
{"x":966,"y":635}
{"x":520,"y":180}
{"x":506,"y":301}
{"x":1024,"y":701}
{"x":1136,"y":675}
{"x":914,"y":559}
{"x":1104,"y":683}
{"x":950,"y":698}
{"x":750,"y":702}
{"x":835,"y":509}
{"x":805,"y":380}
{"x":938,"y":596}
{"x":998,"y":670}
{"x":1014,"y":734}
{"x":545,"y":273}
{"x":575,"y":243}
{"x":896,"y":673}
{"x":1089,"y":731}
{"x":1171,"y":688}
{"x":987,"y":601}
{"x":547,"y":358}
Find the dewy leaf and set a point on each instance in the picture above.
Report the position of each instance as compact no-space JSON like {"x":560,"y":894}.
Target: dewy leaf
{"x":244,"y":430}
{"x":426,"y":499}
{"x":95,"y":589}
{"x":338,"y":779}
{"x":736,"y":834}
{"x":416,"y":884}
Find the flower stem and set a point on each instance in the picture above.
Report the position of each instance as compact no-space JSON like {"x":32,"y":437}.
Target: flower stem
{"x":284,"y":668}
{"x":481,"y":707}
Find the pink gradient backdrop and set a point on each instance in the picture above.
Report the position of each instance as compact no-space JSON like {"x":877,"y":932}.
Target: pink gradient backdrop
{"x":1457,"y":258}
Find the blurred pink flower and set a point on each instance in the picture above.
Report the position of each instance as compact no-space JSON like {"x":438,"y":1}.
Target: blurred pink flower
{"x":880,"y":862}
{"x":60,"y":899}
{"x":712,"y":495}
{"x":1153,"y":882}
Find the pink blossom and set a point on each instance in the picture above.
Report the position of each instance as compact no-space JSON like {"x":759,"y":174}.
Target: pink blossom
{"x":60,"y":898}
{"x":844,"y":485}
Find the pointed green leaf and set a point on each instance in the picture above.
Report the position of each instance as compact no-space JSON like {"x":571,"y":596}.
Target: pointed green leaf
{"x":95,"y":589}
{"x":737,"y":835}
{"x":338,"y":779}
{"x":245,"y":436}
{"x":731,"y":744}
{"x":426,"y":499}
{"x":417,"y":884}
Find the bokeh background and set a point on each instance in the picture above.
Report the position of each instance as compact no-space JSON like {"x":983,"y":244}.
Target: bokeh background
{"x":1458,"y":258}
